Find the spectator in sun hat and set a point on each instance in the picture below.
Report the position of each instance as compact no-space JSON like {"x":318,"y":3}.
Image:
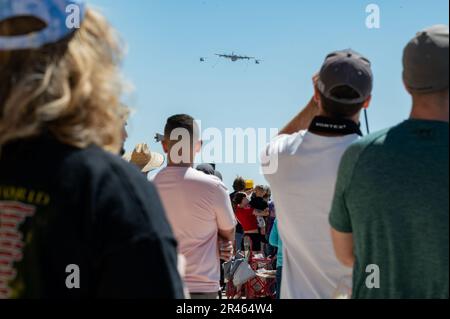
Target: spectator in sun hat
{"x":68,"y":194}
{"x":391,"y":204}
{"x":308,"y":151}
{"x":144,"y":159}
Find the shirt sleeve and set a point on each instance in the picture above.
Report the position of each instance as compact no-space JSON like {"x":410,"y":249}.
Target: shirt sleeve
{"x":269,"y":157}
{"x":340,"y":218}
{"x":226,"y":219}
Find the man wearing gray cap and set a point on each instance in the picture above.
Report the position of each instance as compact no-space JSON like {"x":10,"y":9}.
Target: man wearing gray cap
{"x":308,"y":152}
{"x":390,"y":215}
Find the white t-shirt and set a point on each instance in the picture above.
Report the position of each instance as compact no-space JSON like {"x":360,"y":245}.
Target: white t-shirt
{"x":197,"y":206}
{"x":303,"y":189}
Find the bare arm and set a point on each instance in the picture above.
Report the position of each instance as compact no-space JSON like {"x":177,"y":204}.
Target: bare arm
{"x":226,"y":247}
{"x":227,"y":235}
{"x":343,"y":246}
{"x":303,"y":120}
{"x":261,"y":213}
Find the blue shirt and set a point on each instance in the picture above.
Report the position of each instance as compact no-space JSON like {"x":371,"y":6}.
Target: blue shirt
{"x":275,"y":241}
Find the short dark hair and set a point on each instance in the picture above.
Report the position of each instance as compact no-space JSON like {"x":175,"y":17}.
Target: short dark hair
{"x":182,"y":121}
{"x":239,"y":184}
{"x":341,"y":110}
{"x":238,"y":198}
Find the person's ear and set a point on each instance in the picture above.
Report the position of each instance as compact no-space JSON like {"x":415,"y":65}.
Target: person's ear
{"x":316,"y":96}
{"x":198,"y":147}
{"x":165,"y":146}
{"x":318,"y":99}
{"x":367,"y":102}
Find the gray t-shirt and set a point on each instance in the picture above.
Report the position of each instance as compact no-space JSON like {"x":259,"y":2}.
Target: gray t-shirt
{"x":392,"y":193}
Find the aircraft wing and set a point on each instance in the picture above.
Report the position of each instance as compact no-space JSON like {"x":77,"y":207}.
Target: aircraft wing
{"x":246,"y":58}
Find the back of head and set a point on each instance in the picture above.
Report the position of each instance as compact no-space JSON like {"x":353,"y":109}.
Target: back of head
{"x":341,"y":110}
{"x":65,"y":83}
{"x":260,"y":188}
{"x":425,"y":61}
{"x":238,"y":198}
{"x":239,"y":184}
{"x":345,"y":83}
{"x":181,"y":127}
{"x":206,"y":168}
{"x":426,"y":73}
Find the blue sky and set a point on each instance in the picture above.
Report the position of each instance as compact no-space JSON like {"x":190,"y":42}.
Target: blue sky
{"x":166,"y":38}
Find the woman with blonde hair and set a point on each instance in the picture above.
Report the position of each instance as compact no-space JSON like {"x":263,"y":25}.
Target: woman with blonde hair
{"x":76,"y":221}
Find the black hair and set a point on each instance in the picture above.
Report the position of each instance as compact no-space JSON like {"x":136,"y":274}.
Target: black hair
{"x":181,"y":121}
{"x":239,"y":184}
{"x":238,"y":198}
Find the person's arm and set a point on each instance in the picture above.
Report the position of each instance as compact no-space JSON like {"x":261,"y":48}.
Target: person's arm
{"x":227,"y":235}
{"x":226,"y":222}
{"x":302,"y":120}
{"x":343,"y":246}
{"x":261,"y":213}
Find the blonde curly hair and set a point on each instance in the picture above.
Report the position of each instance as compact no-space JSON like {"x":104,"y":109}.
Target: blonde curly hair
{"x":71,"y":89}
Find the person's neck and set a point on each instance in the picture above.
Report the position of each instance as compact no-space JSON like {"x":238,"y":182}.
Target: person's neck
{"x":430,"y":112}
{"x":323,"y":114}
{"x":170,"y":163}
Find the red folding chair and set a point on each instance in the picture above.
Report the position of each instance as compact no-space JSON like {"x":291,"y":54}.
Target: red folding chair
{"x":262,"y":286}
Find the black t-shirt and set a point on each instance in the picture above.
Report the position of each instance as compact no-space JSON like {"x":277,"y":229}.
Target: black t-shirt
{"x":259,"y":203}
{"x":62,"y":207}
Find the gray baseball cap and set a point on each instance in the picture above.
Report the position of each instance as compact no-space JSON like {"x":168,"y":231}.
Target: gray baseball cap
{"x":346,"y":68}
{"x":425,"y":60}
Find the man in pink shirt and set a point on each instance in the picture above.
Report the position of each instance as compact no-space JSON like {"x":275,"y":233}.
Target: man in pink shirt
{"x":198,"y":208}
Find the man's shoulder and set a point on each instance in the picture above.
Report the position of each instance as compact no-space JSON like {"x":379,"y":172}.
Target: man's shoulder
{"x":368,"y":144}
{"x":208,"y":181}
{"x":99,"y":165}
{"x":285,"y":143}
{"x":191,"y":178}
{"x":94,"y":158}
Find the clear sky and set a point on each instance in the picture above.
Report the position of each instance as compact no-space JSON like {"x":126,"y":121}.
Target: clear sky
{"x":166,"y":38}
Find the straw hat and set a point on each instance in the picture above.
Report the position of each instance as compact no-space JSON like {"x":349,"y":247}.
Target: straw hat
{"x":144,"y":159}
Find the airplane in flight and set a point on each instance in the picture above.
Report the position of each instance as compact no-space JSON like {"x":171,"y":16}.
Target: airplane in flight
{"x":233,"y":57}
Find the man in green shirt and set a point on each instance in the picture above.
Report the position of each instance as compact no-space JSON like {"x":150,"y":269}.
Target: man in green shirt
{"x":390,"y":216}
